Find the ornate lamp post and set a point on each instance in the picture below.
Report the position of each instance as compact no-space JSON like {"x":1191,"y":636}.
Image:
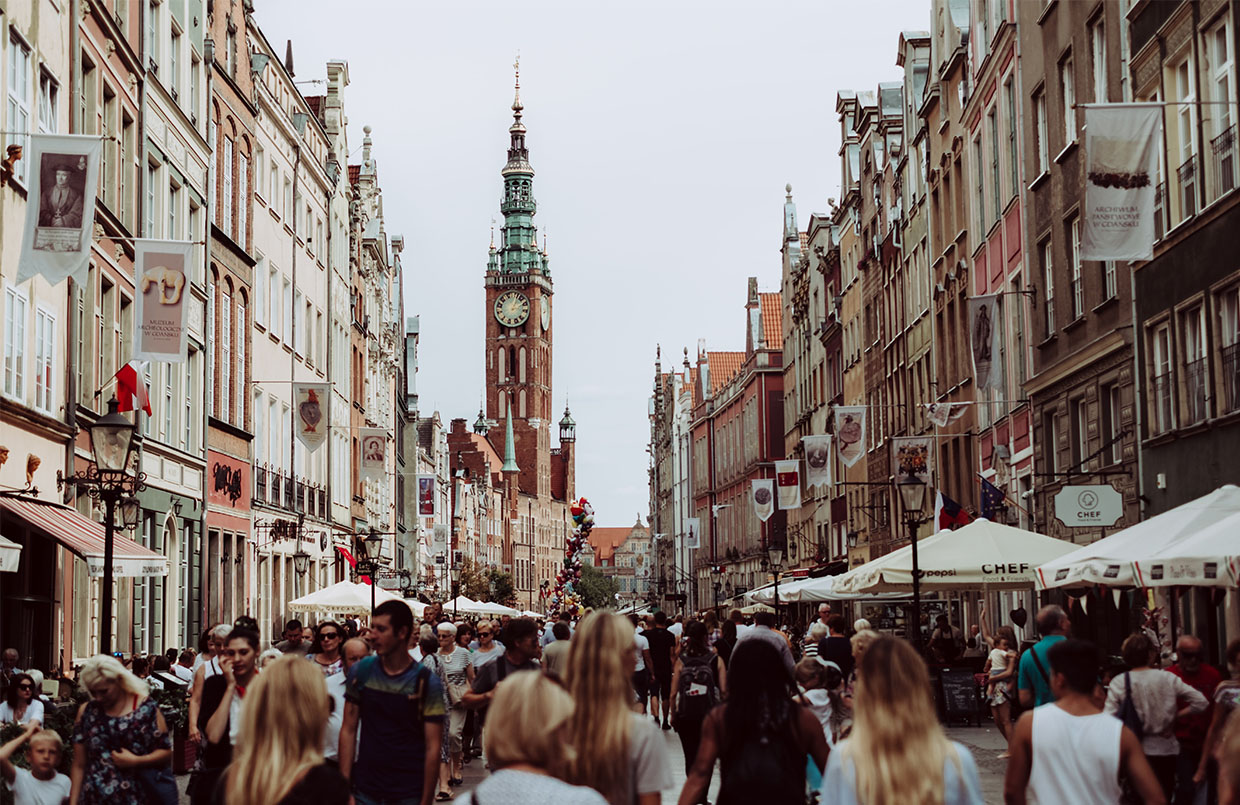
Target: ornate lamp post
{"x":108,"y":479}
{"x":913,"y":497}
{"x":775,"y":555}
{"x":368,"y":549}
{"x":456,"y":587}
{"x":301,"y":561}
{"x":716,"y":573}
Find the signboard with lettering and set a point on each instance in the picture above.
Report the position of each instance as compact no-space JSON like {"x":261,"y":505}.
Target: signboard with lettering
{"x":228,"y":481}
{"x":1089,"y":506}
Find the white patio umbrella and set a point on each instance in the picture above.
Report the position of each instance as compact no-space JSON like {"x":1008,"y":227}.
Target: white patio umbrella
{"x":345,"y":597}
{"x":811,"y":591}
{"x":1110,"y":560}
{"x":10,"y":555}
{"x":1208,"y":558}
{"x":492,"y":608}
{"x":981,"y":554}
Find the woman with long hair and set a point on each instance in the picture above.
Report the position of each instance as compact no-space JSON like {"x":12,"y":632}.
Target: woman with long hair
{"x":897,"y":751}
{"x":279,"y":752}
{"x":699,"y":683}
{"x":620,"y":754}
{"x":118,"y":734}
{"x":527,"y":746}
{"x":760,"y":736}
{"x":22,"y":705}
{"x":726,"y":641}
{"x":325,"y":649}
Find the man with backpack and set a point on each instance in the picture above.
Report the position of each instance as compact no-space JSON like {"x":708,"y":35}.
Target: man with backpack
{"x":523,"y":649}
{"x":698,"y":683}
{"x":1033,"y":680}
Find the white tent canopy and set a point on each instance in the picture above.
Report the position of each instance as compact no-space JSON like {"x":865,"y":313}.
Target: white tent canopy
{"x":349,"y":598}
{"x":809,"y":591}
{"x":1208,"y":558}
{"x":980,"y":554}
{"x":1110,"y":560}
{"x":464,"y":605}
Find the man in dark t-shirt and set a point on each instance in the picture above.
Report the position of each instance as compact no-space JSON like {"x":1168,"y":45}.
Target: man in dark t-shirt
{"x":521,"y":654}
{"x":662,"y":646}
{"x":836,"y":647}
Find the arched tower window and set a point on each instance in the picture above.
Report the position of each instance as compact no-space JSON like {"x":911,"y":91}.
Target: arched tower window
{"x":522,"y":402}
{"x":503,"y":405}
{"x":502,"y":364}
{"x":521,"y":370}
{"x":512,"y":359}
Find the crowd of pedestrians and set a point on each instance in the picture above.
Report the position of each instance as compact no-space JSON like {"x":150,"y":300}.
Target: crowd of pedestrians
{"x":576,"y":712}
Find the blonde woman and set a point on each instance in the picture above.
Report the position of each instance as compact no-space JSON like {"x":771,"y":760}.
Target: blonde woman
{"x":527,"y":746}
{"x":279,"y":753}
{"x":897,"y":751}
{"x":118,"y":734}
{"x":620,"y":754}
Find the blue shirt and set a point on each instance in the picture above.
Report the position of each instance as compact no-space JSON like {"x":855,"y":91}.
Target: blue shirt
{"x":961,"y":783}
{"x":1031,"y":678}
{"x":393,"y":711}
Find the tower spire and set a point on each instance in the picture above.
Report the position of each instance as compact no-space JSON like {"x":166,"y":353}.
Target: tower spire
{"x":510,"y":448}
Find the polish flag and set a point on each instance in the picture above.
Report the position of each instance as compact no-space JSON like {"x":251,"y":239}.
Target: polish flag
{"x":131,"y":391}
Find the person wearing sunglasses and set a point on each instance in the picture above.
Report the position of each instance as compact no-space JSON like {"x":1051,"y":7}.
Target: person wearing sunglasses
{"x":325,"y":650}
{"x":22,"y":705}
{"x":486,"y":647}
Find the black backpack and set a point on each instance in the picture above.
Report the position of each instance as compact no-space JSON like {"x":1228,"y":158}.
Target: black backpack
{"x":763,"y":767}
{"x":697,"y":693}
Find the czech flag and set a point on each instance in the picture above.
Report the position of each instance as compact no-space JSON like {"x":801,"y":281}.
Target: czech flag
{"x":131,"y":391}
{"x":948,"y":514}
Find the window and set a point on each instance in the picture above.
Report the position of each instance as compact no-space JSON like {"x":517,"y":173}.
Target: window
{"x":152,"y":176}
{"x":168,"y":432}
{"x":1074,"y":262}
{"x":1067,"y":90}
{"x":174,"y":63}
{"x":195,"y":70}
{"x":215,"y":151}
{"x":1196,"y":369}
{"x":1217,"y":51}
{"x":1079,"y":423}
{"x":49,"y":91}
{"x":174,"y":206}
{"x":19,"y":100}
{"x":260,"y":289}
{"x":243,"y":203}
{"x":1039,"y":115}
{"x":210,"y":344}
{"x":1109,"y":286}
{"x":1162,"y":411}
{"x":14,"y":343}
{"x":273,"y":299}
{"x":225,"y":356}
{"x":1050,"y":427}
{"x":227,"y":211}
{"x":274,"y":190}
{"x":979,"y":189}
{"x":187,"y":427}
{"x":286,"y":329}
{"x":1186,"y":133}
{"x":1009,"y":91}
{"x":1229,"y":341}
{"x":1111,"y":428}
{"x":152,"y":33}
{"x":995,"y":193}
{"x":1098,"y":52}
{"x":259,"y":171}
{"x":288,"y":199}
{"x":242,"y":329}
{"x":1048,"y":281}
{"x":44,"y":360}
{"x":1016,"y":307}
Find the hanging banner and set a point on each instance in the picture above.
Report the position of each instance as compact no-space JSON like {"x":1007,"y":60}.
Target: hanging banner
{"x":940,"y":414}
{"x":1121,"y":172}
{"x":850,"y":433}
{"x":693,"y":532}
{"x":160,"y":268}
{"x":817,"y":460}
{"x":60,"y":209}
{"x":913,"y":455}
{"x":788,"y":483}
{"x":374,"y":453}
{"x":427,"y":495}
{"x":763,"y":495}
{"x":313,"y":413}
{"x":984,"y":335}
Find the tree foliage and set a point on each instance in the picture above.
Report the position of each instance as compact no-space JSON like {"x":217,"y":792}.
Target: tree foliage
{"x":596,"y":590}
{"x":483,"y":584}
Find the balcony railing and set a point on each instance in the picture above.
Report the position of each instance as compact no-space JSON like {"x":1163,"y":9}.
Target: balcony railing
{"x":1161,"y":391}
{"x":1187,"y":174}
{"x":1195,"y":379}
{"x":288,"y":493}
{"x":1223,"y":154}
{"x":1231,"y":377}
{"x":275,"y":488}
{"x":260,"y":484}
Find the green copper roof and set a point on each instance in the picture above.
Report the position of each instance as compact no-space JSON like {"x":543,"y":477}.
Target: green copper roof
{"x":510,"y":449}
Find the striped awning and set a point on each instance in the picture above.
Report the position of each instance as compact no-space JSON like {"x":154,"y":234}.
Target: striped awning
{"x":85,"y":537}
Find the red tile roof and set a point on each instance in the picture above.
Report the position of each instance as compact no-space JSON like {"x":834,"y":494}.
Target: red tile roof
{"x":605,"y":541}
{"x":315,"y":102}
{"x":723,"y":367}
{"x":772,"y":319}
{"x":355,"y":171}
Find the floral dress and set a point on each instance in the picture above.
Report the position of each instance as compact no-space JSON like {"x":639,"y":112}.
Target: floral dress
{"x":99,"y":734}
{"x":437,"y":669}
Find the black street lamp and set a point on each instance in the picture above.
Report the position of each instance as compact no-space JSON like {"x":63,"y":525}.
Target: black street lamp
{"x":108,"y":480}
{"x":716,"y":573}
{"x":456,"y":587}
{"x":913,"y":497}
{"x":369,"y":547}
{"x":775,"y":555}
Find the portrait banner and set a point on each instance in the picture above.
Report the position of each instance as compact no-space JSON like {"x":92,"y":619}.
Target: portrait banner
{"x":63,"y":176}
{"x":693,"y":532}
{"x":1121,"y":173}
{"x":788,"y":483}
{"x":313,"y":401}
{"x":763,"y":495}
{"x":161,"y":293}
{"x":850,"y":433}
{"x":984,"y":335}
{"x":817,"y":460}
{"x":374,"y":453}
{"x":913,"y":456}
{"x":427,"y":495}
{"x":940,"y":414}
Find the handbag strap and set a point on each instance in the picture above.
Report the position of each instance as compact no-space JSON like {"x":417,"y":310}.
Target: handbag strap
{"x":1045,"y":676}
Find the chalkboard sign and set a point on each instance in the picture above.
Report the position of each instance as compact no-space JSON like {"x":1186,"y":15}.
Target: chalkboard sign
{"x":958,"y":690}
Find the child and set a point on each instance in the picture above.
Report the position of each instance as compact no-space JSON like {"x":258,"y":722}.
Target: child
{"x":41,"y":784}
{"x":1000,"y":667}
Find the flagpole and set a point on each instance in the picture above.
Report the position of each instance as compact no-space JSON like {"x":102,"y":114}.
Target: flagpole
{"x":1005,"y":497}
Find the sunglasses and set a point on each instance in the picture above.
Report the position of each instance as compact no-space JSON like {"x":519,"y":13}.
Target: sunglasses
{"x":484,"y":634}
{"x":25,"y":686}
{"x":329,"y":635}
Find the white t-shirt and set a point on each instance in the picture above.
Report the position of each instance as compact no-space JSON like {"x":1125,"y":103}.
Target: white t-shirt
{"x":184,"y":673}
{"x":643,"y":645}
{"x":525,"y":788}
{"x":676,"y":629}
{"x":331,"y":740}
{"x":29,"y":790}
{"x":34,"y":712}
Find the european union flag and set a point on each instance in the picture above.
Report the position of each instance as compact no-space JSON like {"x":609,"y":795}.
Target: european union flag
{"x":992,"y":499}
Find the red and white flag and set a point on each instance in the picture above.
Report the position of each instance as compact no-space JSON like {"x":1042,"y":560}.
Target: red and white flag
{"x":131,"y":391}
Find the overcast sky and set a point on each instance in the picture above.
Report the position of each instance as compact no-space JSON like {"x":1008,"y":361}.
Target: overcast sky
{"x":661,"y":134}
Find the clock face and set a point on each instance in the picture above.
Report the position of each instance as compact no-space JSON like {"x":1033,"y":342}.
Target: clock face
{"x":512,"y":308}
{"x":545,"y":304}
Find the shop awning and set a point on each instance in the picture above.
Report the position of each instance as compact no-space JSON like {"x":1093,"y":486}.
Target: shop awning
{"x":85,"y":538}
{"x":10,"y":555}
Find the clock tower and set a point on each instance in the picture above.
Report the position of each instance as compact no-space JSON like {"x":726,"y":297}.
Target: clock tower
{"x":518,"y":316}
